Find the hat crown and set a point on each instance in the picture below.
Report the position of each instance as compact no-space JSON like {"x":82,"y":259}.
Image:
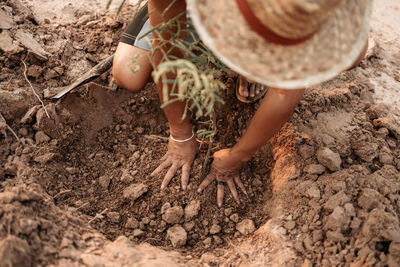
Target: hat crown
{"x":293,"y":19}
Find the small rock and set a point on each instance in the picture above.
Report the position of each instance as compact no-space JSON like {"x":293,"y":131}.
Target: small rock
{"x":313,"y":192}
{"x":127,"y":176}
{"x":369,"y":199}
{"x":43,"y":159}
{"x":317,"y":235}
{"x":104,"y":181}
{"x":217,"y":240}
{"x":337,"y":220}
{"x":306,"y":151}
{"x":209,"y":259}
{"x":134,"y":191}
{"x":165,"y":206}
{"x":138,"y":233}
{"x":23,"y":131}
{"x":177,"y":235}
{"x":385,"y":155}
{"x":290,"y":225}
{"x":215,"y":229}
{"x":146,"y":220}
{"x":234,"y":217}
{"x":72,"y":170}
{"x":192,"y":210}
{"x":314,"y":169}
{"x":41,"y":137}
{"x":113,"y":216}
{"x":246,"y":227}
{"x":228,"y":211}
{"x":329,"y":159}
{"x":131,"y":223}
{"x":173,"y":215}
{"x":338,"y":199}
{"x":207,"y":242}
{"x":188,"y":226}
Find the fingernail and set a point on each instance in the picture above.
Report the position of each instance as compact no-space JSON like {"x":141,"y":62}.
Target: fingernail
{"x":162,"y":187}
{"x":238,"y":201}
{"x":199,"y":190}
{"x":219,"y":205}
{"x":184,"y":188}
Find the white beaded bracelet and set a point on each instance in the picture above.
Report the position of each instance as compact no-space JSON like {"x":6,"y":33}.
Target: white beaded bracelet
{"x":182,"y":141}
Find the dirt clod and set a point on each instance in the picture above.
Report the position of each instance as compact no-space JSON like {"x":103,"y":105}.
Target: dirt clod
{"x":245,"y":227}
{"x":134,"y":191}
{"x":177,"y":235}
{"x":329,"y":159}
{"x":173,"y":215}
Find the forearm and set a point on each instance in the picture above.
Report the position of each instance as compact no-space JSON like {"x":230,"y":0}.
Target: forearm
{"x":179,"y":128}
{"x":274,"y":111}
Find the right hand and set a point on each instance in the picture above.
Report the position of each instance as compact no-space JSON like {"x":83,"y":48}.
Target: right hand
{"x":179,"y":155}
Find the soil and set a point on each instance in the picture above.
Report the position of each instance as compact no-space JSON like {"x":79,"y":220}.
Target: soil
{"x":75,"y":188}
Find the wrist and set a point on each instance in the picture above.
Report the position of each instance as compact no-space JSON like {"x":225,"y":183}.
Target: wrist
{"x":239,"y":154}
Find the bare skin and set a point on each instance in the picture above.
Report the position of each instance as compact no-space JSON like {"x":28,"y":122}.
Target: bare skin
{"x":274,"y":111}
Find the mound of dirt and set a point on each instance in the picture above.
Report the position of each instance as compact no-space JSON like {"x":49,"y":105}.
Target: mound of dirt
{"x":76,"y":187}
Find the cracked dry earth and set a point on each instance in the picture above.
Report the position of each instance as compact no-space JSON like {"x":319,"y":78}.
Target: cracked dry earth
{"x":75,"y":188}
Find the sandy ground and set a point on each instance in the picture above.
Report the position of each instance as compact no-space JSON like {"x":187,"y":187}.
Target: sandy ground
{"x":74,"y":188}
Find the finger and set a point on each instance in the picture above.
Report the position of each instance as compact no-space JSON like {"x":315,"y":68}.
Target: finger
{"x":234,"y":192}
{"x":243,"y":88}
{"x":164,"y":157}
{"x":220,"y":195}
{"x":167,"y":178}
{"x":240,"y":184}
{"x":252,"y":89}
{"x":162,"y":166}
{"x":206,"y":182}
{"x":185,"y":176}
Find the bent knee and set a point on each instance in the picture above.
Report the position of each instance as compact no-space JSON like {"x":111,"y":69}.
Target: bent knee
{"x":127,"y":78}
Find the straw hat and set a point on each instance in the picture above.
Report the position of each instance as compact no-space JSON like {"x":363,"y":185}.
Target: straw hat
{"x":284,"y":43}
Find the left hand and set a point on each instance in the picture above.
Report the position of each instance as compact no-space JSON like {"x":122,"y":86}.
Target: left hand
{"x":224,"y":169}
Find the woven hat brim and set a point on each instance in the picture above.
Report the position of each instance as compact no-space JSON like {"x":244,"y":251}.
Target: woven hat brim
{"x":333,"y":49}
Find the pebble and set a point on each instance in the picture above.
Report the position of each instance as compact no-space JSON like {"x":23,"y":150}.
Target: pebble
{"x":234,"y":217}
{"x":207,"y":242}
{"x":104,"y":181}
{"x":23,"y":131}
{"x":217,"y":240}
{"x":329,"y":159}
{"x":127,"y":176}
{"x":165,"y":206}
{"x":215,"y":229}
{"x":41,"y":137}
{"x":146,"y":220}
{"x":228,"y":211}
{"x":177,"y":235}
{"x":192,"y":210}
{"x":188,"y":226}
{"x":132,"y":223}
{"x":290,"y":225}
{"x":134,"y":191}
{"x":313,"y":192}
{"x":43,"y":159}
{"x":113,"y":216}
{"x":369,"y":199}
{"x":314,"y":169}
{"x":138,"y":233}
{"x":246,"y":227}
{"x":338,"y":199}
{"x":173,"y":215}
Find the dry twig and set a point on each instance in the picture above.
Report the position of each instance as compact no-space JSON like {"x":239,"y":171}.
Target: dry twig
{"x":98,"y":216}
{"x":3,"y":121}
{"x":61,"y":193}
{"x":33,"y":90}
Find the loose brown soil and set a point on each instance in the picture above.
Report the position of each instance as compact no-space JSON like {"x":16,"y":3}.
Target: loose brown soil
{"x":76,"y":189}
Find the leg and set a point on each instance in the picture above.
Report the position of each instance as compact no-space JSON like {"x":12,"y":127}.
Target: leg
{"x":128,"y":75}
